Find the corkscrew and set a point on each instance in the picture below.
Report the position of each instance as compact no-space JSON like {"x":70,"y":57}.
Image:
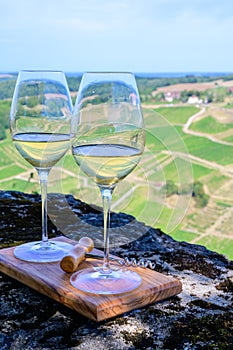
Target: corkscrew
{"x":80,"y":251}
{"x":143,"y":263}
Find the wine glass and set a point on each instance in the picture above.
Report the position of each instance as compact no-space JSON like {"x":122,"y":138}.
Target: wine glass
{"x":108,"y":145}
{"x":40,"y":122}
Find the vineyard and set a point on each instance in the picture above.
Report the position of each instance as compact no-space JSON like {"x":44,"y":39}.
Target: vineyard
{"x":186,"y":145}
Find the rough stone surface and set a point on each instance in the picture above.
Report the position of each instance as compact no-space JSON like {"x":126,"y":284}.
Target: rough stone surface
{"x":201,"y":317}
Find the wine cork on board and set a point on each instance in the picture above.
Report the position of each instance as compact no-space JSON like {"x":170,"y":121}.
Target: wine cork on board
{"x":76,"y":255}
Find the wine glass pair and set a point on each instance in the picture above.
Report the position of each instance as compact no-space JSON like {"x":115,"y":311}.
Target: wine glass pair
{"x":106,"y":133}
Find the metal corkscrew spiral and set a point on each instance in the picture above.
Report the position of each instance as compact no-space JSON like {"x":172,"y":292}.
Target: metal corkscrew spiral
{"x":83,"y":249}
{"x":129,"y":262}
{"x":143,"y":263}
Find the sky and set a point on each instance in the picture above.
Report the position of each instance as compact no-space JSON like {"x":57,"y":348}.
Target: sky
{"x":117,"y":35}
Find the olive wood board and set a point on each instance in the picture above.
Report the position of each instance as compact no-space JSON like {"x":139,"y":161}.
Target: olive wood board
{"x":50,"y":280}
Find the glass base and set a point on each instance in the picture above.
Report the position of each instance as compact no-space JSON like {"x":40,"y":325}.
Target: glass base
{"x":98,"y":281}
{"x":42,"y":252}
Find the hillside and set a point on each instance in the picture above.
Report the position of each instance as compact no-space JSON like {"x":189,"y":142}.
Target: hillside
{"x":183,"y":184}
{"x":209,"y":154}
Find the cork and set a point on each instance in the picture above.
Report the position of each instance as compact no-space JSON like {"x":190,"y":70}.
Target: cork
{"x":76,"y":255}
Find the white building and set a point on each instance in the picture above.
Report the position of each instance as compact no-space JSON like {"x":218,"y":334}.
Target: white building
{"x":194,"y":100}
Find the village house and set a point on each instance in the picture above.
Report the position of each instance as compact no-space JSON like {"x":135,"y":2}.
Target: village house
{"x":194,"y":100}
{"x":172,"y":95}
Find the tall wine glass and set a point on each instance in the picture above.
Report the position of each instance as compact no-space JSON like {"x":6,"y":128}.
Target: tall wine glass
{"x":108,"y":145}
{"x":40,"y":121}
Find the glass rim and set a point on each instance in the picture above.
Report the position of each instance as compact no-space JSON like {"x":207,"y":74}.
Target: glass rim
{"x":108,"y":72}
{"x":40,"y":71}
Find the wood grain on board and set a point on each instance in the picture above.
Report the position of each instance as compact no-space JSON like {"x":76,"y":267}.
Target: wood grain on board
{"x":50,"y":280}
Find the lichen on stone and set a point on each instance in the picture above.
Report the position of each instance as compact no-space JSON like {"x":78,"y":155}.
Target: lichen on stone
{"x":200,"y":317}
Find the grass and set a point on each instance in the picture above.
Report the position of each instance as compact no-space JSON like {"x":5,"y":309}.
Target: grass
{"x":207,"y":149}
{"x":218,"y":244}
{"x":138,"y":207}
{"x":177,"y":115}
{"x":9,"y":171}
{"x":216,"y":180}
{"x":181,"y":235}
{"x":147,"y":203}
{"x":173,"y":139}
{"x":20,"y":185}
{"x":5,"y":159}
{"x":229,"y":105}
{"x":180,"y":169}
{"x":166,"y":137}
{"x":210,"y":125}
{"x":223,"y":204}
{"x":229,"y":138}
{"x":166,"y":220}
{"x":200,"y":171}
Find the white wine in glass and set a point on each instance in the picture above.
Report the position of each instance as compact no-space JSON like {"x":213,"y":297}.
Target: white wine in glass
{"x":40,"y":121}
{"x":108,"y":145}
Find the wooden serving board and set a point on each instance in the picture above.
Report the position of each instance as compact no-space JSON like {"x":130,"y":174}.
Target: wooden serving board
{"x":50,"y":280}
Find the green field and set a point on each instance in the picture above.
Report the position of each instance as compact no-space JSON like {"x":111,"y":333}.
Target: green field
{"x":166,"y":158}
{"x":210,"y":125}
{"x":206,"y":149}
{"x":164,"y":136}
{"x":177,"y":115}
{"x":200,"y":171}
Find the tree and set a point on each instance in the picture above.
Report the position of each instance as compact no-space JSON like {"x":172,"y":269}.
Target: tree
{"x":171,"y":188}
{"x":199,"y":194}
{"x":4,"y":118}
{"x":2,"y":132}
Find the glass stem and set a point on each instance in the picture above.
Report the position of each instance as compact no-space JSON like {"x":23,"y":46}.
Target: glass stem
{"x":43,"y":175}
{"x":106,"y":199}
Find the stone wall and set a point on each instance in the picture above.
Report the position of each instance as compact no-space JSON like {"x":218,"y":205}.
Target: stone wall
{"x":200,"y":317}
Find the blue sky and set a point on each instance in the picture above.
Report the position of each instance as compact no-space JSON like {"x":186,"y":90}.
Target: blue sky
{"x":127,"y":35}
